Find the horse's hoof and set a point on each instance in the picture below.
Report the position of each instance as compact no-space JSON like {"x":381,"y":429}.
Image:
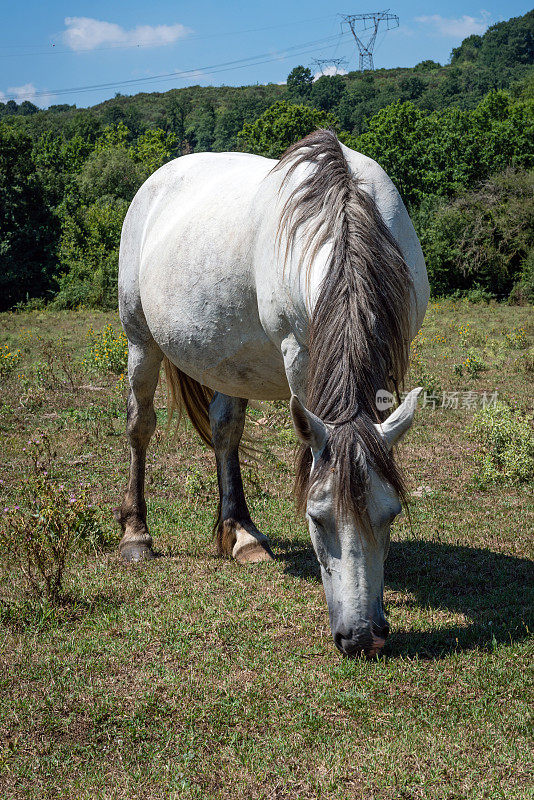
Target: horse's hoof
{"x":250,"y":546}
{"x":134,"y":552}
{"x":254,"y":553}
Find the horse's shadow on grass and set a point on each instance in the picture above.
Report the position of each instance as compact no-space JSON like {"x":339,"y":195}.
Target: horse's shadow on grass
{"x":493,"y":592}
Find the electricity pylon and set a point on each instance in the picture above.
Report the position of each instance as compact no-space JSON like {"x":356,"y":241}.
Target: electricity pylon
{"x":321,"y":63}
{"x":366,"y":48}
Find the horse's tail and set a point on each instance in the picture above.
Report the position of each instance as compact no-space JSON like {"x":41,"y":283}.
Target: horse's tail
{"x":185,"y":392}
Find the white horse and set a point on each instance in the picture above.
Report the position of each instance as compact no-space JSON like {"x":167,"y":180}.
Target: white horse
{"x":259,"y":279}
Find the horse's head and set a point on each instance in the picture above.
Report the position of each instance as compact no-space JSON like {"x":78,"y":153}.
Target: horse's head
{"x":352,"y":548}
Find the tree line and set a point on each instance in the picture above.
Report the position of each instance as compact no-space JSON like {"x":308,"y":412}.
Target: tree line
{"x":457,"y":141}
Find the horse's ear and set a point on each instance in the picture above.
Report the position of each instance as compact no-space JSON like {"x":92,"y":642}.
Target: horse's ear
{"x":396,"y":425}
{"x":309,"y":428}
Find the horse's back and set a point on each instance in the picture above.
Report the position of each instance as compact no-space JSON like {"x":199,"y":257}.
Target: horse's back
{"x":190,"y":191}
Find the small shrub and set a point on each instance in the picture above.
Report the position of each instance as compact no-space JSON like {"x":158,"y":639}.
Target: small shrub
{"x":56,"y":366}
{"x":516,"y":339}
{"x":108,"y":351}
{"x":39,"y":533}
{"x":472,"y":365}
{"x":464,"y":333}
{"x":9,"y":359}
{"x":507,"y":445}
{"x":429,"y":382}
{"x":33,"y":304}
{"x":479,"y":295}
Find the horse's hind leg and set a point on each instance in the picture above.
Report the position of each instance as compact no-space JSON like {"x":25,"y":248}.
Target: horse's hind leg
{"x":144,"y":362}
{"x":237,"y":536}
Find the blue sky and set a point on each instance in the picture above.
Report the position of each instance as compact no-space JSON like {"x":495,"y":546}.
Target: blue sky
{"x":52,"y":52}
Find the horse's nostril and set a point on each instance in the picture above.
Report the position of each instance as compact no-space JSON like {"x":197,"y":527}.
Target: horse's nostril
{"x":380,"y":628}
{"x":349,"y":642}
{"x":382,"y":632}
{"x":340,"y":640}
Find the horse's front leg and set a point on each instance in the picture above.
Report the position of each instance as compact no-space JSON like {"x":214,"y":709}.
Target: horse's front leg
{"x":237,"y":536}
{"x":143,"y":371}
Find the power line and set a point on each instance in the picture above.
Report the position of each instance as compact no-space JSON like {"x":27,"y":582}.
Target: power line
{"x":263,"y":58}
{"x":137,"y":45}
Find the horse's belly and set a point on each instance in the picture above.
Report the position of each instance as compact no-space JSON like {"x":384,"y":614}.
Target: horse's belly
{"x":204,"y":316}
{"x":251,"y":370}
{"x":238,"y":366}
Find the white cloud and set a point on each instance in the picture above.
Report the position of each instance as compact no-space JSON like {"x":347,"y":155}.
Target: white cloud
{"x":331,"y":70}
{"x":457,"y":28}
{"x":27,"y":92}
{"x":84,"y":33}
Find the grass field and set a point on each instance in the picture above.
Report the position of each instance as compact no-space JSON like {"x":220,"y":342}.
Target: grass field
{"x":193,"y":677}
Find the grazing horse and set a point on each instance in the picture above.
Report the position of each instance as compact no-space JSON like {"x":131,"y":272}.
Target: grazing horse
{"x":259,"y":279}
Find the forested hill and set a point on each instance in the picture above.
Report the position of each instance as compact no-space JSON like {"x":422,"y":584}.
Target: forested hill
{"x":210,"y":118}
{"x":457,"y":140}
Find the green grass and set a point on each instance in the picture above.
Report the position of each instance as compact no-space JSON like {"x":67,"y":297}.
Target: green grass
{"x":193,"y":677}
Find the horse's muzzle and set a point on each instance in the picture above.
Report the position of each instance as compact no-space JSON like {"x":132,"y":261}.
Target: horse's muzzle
{"x":368,"y":641}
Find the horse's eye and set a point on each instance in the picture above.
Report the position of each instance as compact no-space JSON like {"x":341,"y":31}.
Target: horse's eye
{"x":316,"y":521}
{"x":394,"y":512}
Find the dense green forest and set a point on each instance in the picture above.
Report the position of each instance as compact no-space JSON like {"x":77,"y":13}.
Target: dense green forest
{"x":456,"y":139}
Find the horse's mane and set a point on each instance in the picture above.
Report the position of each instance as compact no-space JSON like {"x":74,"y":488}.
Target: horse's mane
{"x":359,"y":327}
